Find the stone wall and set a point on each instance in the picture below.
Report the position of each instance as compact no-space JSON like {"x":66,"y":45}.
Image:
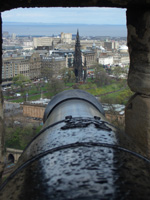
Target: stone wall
{"x":120,"y":119}
{"x":8,"y":4}
{"x":2,"y":129}
{"x":15,"y":152}
{"x":138,"y":108}
{"x":138,"y":121}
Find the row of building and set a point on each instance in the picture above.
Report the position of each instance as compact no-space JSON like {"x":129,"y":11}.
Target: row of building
{"x":48,"y":53}
{"x":64,"y":40}
{"x":31,"y":66}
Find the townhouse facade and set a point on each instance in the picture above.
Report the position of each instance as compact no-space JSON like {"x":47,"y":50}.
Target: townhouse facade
{"x":14,"y":66}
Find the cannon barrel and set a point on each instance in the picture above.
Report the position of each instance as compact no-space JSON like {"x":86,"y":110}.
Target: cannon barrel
{"x":78,"y":155}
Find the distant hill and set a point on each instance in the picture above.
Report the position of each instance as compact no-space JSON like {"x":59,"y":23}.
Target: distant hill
{"x":50,"y":29}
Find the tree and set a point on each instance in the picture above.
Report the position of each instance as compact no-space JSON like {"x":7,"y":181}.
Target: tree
{"x":20,"y":80}
{"x":119,"y":71}
{"x":55,"y":86}
{"x":50,"y":69}
{"x":101,"y":77}
{"x":18,"y":137}
{"x":47,"y":72}
{"x":68,"y":75}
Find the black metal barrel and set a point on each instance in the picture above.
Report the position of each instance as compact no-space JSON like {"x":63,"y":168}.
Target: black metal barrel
{"x":78,"y":155}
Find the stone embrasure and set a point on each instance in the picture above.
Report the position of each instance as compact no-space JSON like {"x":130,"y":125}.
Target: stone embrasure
{"x":9,"y":4}
{"x":138,"y":121}
{"x":138,"y":23}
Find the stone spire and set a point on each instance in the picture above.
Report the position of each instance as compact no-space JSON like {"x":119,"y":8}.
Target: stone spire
{"x":77,"y":63}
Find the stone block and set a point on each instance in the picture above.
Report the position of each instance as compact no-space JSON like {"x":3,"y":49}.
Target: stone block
{"x":137,"y":121}
{"x":139,"y":82}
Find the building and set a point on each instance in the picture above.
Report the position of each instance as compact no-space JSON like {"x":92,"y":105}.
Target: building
{"x":42,"y":41}
{"x":87,"y":43}
{"x":47,"y":41}
{"x":69,"y":59}
{"x":35,"y":66}
{"x":124,"y":59}
{"x":67,"y":54}
{"x":14,"y":66}
{"x":28,"y":43}
{"x":121,"y":59}
{"x":66,"y":38}
{"x":106,"y":60}
{"x":89,"y":56}
{"x":112,"y":45}
{"x":51,"y":66}
{"x":123,"y":49}
{"x":13,"y":36}
{"x":33,"y":110}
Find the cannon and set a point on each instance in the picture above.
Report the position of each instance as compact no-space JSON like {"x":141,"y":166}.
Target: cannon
{"x":78,"y":155}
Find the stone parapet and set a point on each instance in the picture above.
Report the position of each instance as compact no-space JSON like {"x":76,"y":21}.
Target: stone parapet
{"x":137,"y":121}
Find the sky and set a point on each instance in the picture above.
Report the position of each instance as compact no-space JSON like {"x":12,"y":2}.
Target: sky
{"x":91,"y":15}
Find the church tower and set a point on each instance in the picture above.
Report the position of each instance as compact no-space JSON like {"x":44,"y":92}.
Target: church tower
{"x":77,"y":63}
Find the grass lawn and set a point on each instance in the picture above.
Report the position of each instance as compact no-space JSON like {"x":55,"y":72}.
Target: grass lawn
{"x":30,"y":98}
{"x":116,"y":97}
{"x":94,"y":90}
{"x":120,"y":97}
{"x":20,"y":100}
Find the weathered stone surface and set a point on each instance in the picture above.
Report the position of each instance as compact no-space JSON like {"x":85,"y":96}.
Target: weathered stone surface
{"x":138,"y":23}
{"x":8,"y":4}
{"x":1,"y":135}
{"x":137,"y":121}
{"x":0,"y":49}
{"x":1,"y":171}
{"x":1,"y":126}
{"x":1,"y":99}
{"x":1,"y":110}
{"x":139,"y":82}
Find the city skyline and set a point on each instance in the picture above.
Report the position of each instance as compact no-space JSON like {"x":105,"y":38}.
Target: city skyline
{"x":90,"y":15}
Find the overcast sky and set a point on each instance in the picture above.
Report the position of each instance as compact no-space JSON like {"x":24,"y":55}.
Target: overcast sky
{"x":67,"y":15}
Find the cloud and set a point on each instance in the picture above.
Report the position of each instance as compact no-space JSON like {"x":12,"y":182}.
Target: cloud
{"x":90,"y":15}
